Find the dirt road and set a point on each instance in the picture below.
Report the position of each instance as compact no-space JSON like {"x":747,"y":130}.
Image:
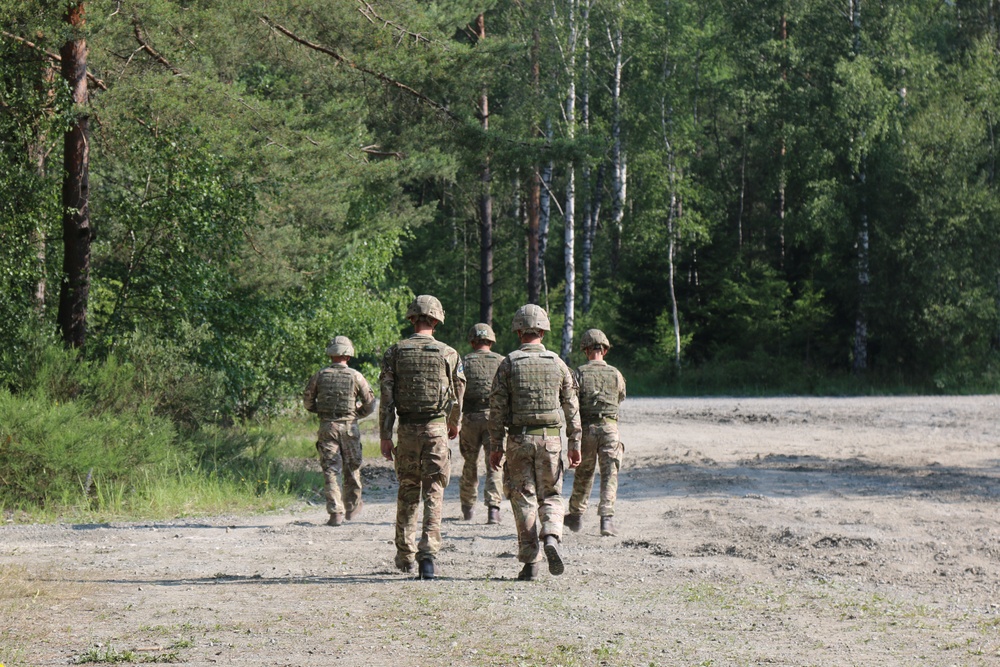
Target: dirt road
{"x":788,"y":531}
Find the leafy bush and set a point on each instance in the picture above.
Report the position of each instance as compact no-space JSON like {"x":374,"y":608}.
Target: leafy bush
{"x":57,"y":451}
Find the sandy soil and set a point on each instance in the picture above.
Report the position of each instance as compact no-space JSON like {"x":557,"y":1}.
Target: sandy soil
{"x":788,"y":531}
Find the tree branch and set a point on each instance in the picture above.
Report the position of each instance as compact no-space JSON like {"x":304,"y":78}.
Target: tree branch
{"x":54,"y":57}
{"x":366,"y":10}
{"x":144,"y":46}
{"x":374,"y":150}
{"x":341,"y":59}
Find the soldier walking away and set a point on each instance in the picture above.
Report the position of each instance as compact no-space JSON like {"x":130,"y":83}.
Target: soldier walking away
{"x":602,"y":389}
{"x":340,"y":396}
{"x":532,"y":392}
{"x":480,"y":367}
{"x":422,"y":383}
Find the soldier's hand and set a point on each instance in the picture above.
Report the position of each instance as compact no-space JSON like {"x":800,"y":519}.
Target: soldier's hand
{"x":574,"y":457}
{"x":495,"y":460}
{"x":453,"y":432}
{"x":386,"y":449}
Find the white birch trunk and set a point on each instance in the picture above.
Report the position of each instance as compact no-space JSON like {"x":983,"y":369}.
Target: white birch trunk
{"x":545,"y":218}
{"x":590,"y":203}
{"x":569,"y":209}
{"x":619,"y":168}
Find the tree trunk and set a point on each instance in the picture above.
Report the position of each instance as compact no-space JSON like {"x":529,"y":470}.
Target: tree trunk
{"x":860,"y":363}
{"x":485,"y":207}
{"x":77,"y":232}
{"x":592,"y":197}
{"x":545,"y":217}
{"x":534,"y":191}
{"x":618,"y":162}
{"x":569,"y":210}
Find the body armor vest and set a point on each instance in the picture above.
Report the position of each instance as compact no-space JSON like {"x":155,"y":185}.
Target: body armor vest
{"x":598,"y":391}
{"x":535,"y":381}
{"x":423,"y":388}
{"x":335,"y":393}
{"x":480,"y":367}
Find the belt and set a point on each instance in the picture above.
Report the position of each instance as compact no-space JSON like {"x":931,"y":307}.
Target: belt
{"x":422,"y":420}
{"x":589,"y":421}
{"x":538,"y":430}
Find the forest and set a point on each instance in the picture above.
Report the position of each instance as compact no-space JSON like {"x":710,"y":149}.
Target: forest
{"x":747,"y":196}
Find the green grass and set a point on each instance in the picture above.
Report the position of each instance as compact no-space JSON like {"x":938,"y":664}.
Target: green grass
{"x":252,"y":468}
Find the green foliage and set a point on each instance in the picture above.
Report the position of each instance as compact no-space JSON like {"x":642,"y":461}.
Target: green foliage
{"x":54,"y":452}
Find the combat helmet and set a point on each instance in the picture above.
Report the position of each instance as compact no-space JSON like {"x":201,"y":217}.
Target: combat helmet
{"x":340,"y":346}
{"x":425,"y":304}
{"x":593,"y":338}
{"x":530,"y":317}
{"x":482,"y":331}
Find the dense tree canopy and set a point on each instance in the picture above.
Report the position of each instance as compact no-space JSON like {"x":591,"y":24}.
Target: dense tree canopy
{"x":766,"y":192}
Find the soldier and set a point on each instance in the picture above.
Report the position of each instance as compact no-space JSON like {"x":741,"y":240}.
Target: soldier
{"x":532,"y":391}
{"x":422,"y":381}
{"x":480,"y":367}
{"x":340,"y":396}
{"x":602,"y":389}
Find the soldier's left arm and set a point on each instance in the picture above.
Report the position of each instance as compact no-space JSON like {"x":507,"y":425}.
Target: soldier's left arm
{"x":457,"y":388}
{"x":364,"y":396}
{"x":621,"y":387}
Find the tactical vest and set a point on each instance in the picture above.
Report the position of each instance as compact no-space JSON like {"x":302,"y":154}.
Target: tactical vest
{"x":335,"y":393}
{"x":598,"y":391}
{"x":535,"y":381}
{"x":480,"y":367}
{"x":423,"y":387}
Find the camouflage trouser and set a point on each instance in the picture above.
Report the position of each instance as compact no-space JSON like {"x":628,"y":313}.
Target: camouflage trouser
{"x":475,"y":436}
{"x":339,"y":447}
{"x":600,"y":447}
{"x":423,"y":468}
{"x":535,"y":472}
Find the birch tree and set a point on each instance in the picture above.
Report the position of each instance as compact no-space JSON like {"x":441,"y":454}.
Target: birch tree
{"x":569,"y":207}
{"x":619,"y":162}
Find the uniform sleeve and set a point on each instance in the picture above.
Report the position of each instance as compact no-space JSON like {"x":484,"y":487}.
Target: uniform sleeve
{"x":387,"y":402}
{"x":499,"y":406}
{"x":570,"y":399}
{"x":364,"y":396}
{"x":621,"y":387}
{"x":309,"y":395}
{"x":457,"y":388}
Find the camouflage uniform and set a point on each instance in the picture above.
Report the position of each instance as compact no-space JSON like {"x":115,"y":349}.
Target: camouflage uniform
{"x":602,"y":388}
{"x":533,"y":392}
{"x":426,"y":391}
{"x":480,"y":367}
{"x":340,"y":396}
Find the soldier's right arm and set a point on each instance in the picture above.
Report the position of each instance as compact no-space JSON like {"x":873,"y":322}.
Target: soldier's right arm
{"x":309,"y":395}
{"x":387,"y":402}
{"x":499,"y":406}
